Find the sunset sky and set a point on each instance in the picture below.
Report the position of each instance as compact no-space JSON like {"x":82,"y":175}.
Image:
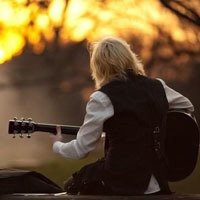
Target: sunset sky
{"x":37,"y":22}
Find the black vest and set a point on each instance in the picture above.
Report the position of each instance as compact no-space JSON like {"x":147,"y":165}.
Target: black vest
{"x":140,"y":105}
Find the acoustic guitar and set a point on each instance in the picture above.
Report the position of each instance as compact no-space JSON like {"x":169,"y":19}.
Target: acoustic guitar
{"x":181,"y":143}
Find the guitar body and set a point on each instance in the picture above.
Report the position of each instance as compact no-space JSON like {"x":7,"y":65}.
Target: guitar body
{"x":182,"y":145}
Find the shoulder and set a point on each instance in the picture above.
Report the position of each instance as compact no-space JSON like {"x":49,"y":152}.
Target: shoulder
{"x":151,"y":83}
{"x":100,"y":97}
{"x":153,"y":80}
{"x":161,"y":81}
{"x":142,"y":79}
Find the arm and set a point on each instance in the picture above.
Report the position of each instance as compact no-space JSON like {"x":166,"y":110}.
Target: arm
{"x":176,"y":100}
{"x":98,"y":109}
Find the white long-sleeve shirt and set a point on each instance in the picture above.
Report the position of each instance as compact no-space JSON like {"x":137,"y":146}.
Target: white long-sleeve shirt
{"x":98,"y":110}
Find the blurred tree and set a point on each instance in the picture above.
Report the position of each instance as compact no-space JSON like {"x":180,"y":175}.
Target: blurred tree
{"x":188,"y":10}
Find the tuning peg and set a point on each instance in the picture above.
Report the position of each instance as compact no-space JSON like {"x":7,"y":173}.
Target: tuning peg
{"x":23,"y":124}
{"x":28,"y":135}
{"x":21,"y":135}
{"x":15,"y":121}
{"x":14,"y":136}
{"x":30,"y":119}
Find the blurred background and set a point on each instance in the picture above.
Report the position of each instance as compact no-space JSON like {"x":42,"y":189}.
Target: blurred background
{"x":44,"y":67}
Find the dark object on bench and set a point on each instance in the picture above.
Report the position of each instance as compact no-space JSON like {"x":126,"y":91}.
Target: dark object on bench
{"x":24,"y":181}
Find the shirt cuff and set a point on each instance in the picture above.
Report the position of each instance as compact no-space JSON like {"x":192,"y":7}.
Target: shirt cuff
{"x":57,"y":146}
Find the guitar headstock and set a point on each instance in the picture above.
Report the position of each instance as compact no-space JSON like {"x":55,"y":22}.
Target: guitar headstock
{"x":21,"y":127}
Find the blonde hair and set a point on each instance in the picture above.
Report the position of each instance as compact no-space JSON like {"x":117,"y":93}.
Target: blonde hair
{"x":110,"y":58}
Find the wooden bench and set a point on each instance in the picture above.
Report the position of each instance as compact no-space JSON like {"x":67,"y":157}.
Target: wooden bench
{"x":81,"y":197}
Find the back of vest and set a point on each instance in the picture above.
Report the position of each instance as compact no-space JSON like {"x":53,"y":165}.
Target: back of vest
{"x":140,"y":104}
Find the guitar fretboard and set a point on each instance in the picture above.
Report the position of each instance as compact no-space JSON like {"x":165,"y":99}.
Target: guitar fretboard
{"x":51,"y":128}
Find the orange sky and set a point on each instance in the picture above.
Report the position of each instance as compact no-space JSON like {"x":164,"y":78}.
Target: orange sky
{"x":82,"y":19}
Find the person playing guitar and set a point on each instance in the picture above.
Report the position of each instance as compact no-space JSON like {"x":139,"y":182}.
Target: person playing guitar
{"x":131,"y":109}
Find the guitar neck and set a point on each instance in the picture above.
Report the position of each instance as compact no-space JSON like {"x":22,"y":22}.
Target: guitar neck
{"x":51,"y":128}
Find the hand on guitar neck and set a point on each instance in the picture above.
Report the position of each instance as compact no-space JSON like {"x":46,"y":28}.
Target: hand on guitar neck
{"x":58,"y":136}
